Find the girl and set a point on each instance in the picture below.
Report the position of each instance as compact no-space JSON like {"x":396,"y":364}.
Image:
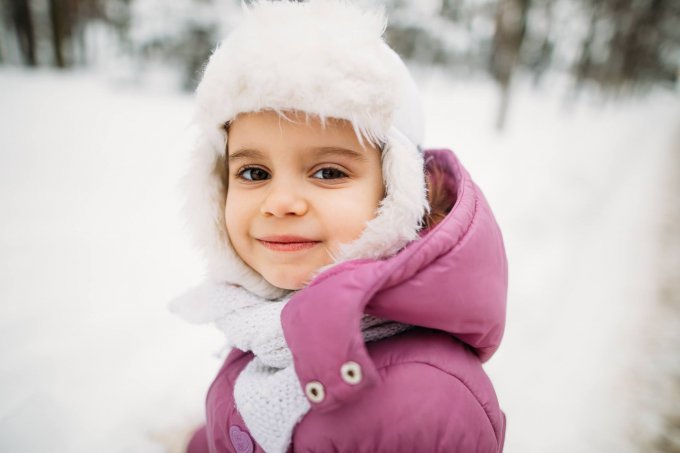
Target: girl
{"x":360,"y":281}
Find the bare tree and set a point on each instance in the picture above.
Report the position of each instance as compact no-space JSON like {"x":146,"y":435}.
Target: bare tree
{"x":630,"y":44}
{"x":22,"y":21}
{"x":62,"y":18}
{"x":511,"y":23}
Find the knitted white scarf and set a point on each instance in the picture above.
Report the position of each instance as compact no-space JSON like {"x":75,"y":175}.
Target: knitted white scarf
{"x":267,"y":393}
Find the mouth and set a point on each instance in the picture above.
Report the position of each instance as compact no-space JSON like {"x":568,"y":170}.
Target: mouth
{"x":287,"y":243}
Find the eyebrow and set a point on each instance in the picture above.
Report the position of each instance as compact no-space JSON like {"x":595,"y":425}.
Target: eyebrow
{"x":246,"y":153}
{"x":321,"y":151}
{"x":336,"y":151}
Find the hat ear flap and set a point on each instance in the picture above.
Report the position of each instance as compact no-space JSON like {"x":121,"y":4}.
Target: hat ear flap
{"x":203,"y":211}
{"x":400,"y":214}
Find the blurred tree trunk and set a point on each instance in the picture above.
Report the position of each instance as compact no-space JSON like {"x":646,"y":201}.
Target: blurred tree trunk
{"x":451,"y":9}
{"x":511,"y":21}
{"x":584,"y":65}
{"x":543,"y":60}
{"x":23,"y":26}
{"x":3,"y":26}
{"x":2,"y":47}
{"x":637,"y":42}
{"x":63,"y":17}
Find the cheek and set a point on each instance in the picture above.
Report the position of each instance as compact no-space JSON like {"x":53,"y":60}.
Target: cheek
{"x":348,"y":217}
{"x":234,"y":217}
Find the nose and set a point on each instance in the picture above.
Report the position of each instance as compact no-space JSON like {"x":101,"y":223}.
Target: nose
{"x":284,"y":200}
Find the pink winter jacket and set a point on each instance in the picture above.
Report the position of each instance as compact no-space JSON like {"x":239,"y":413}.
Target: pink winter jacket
{"x":421,"y":391}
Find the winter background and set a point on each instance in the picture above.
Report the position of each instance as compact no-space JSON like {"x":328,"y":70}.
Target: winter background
{"x":566,"y":113}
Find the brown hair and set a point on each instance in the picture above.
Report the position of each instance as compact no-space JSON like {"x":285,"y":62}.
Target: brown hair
{"x":439,"y":196}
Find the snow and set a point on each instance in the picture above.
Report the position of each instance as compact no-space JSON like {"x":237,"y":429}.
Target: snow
{"x":92,"y":248}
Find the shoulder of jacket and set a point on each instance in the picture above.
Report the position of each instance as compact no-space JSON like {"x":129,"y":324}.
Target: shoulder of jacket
{"x":447,"y":365}
{"x":429,"y":347}
{"x":417,"y":405}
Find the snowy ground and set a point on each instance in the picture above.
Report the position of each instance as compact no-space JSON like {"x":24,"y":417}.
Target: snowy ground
{"x":92,"y":248}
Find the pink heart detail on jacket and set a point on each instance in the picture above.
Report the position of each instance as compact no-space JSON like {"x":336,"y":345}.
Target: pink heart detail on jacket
{"x":240,"y":440}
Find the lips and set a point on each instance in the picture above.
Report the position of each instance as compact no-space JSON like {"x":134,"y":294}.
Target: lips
{"x":287,"y":243}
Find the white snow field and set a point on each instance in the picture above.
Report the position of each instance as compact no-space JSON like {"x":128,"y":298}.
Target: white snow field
{"x":92,"y":248}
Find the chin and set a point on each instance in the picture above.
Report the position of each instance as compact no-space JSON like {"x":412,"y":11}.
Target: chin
{"x":288,"y":282}
{"x":287,"y":286}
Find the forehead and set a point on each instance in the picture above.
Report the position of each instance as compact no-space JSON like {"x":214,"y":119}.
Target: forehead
{"x":269,"y":129}
{"x":291,"y":117}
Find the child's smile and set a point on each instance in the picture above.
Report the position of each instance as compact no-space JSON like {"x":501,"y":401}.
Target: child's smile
{"x":288,"y":243}
{"x":296,"y":191}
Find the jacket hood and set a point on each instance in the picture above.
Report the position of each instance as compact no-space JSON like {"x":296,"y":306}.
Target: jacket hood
{"x":453,"y":278}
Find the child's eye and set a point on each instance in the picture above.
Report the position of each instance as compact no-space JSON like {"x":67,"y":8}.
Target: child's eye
{"x":329,"y":173}
{"x":253,"y":174}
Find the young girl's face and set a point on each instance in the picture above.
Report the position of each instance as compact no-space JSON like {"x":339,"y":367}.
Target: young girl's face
{"x":297,"y":190}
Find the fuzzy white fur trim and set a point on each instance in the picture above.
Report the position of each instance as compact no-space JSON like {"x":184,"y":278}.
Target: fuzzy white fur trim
{"x":400,"y":213}
{"x":325,"y":58}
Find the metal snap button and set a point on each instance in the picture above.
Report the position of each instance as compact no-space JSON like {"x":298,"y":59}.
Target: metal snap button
{"x":351,"y":372}
{"x":315,"y":391}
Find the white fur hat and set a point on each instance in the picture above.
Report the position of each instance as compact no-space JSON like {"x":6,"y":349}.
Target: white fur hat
{"x":326,"y":58}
